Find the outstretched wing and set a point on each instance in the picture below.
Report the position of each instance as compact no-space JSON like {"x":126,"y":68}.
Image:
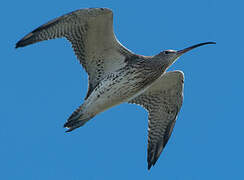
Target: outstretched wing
{"x":90,"y":32}
{"x":163,"y":101}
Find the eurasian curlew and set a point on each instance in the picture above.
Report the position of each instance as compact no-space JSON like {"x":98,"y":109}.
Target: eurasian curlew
{"x":117,"y":75}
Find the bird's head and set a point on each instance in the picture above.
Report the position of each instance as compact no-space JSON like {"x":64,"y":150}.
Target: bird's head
{"x":170,"y":56}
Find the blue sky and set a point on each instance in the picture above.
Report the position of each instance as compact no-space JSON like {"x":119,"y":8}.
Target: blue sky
{"x":42,"y":84}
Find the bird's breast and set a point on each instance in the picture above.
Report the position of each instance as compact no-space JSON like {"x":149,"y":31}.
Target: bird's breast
{"x":120,"y":86}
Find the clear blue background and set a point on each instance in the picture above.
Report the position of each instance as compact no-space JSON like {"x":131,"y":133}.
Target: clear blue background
{"x":42,"y":84}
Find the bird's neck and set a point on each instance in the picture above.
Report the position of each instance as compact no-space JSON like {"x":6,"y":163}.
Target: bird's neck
{"x":160,"y":63}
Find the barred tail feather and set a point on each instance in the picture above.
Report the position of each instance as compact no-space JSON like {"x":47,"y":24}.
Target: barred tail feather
{"x":76,"y":120}
{"x":71,"y":125}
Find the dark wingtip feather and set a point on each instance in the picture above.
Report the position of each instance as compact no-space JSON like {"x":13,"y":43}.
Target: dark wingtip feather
{"x":152,"y":156}
{"x":150,"y":160}
{"x":19,"y":44}
{"x":27,"y":40}
{"x":149,"y":166}
{"x":31,"y":37}
{"x":152,"y":163}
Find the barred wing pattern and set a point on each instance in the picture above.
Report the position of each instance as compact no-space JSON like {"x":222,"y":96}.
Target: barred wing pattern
{"x":90,"y":32}
{"x":163,"y":101}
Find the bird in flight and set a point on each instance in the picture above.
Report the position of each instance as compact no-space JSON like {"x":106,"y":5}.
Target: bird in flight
{"x":117,"y":75}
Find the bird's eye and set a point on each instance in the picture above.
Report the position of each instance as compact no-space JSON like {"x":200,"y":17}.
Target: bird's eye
{"x":166,"y":52}
{"x":169,"y":51}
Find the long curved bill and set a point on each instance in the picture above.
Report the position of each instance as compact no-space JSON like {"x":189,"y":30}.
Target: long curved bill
{"x":180,"y":52}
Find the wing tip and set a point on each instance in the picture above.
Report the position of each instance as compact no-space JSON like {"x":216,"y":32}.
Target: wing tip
{"x":151,"y":163}
{"x":31,"y":37}
{"x":19,"y":44}
{"x":152,"y":156}
{"x":27,"y":40}
{"x":149,"y":166}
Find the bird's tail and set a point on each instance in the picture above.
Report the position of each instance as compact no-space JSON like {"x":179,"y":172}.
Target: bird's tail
{"x":77,"y":119}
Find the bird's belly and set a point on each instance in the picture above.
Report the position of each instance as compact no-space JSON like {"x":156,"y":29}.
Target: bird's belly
{"x":115,"y":89}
